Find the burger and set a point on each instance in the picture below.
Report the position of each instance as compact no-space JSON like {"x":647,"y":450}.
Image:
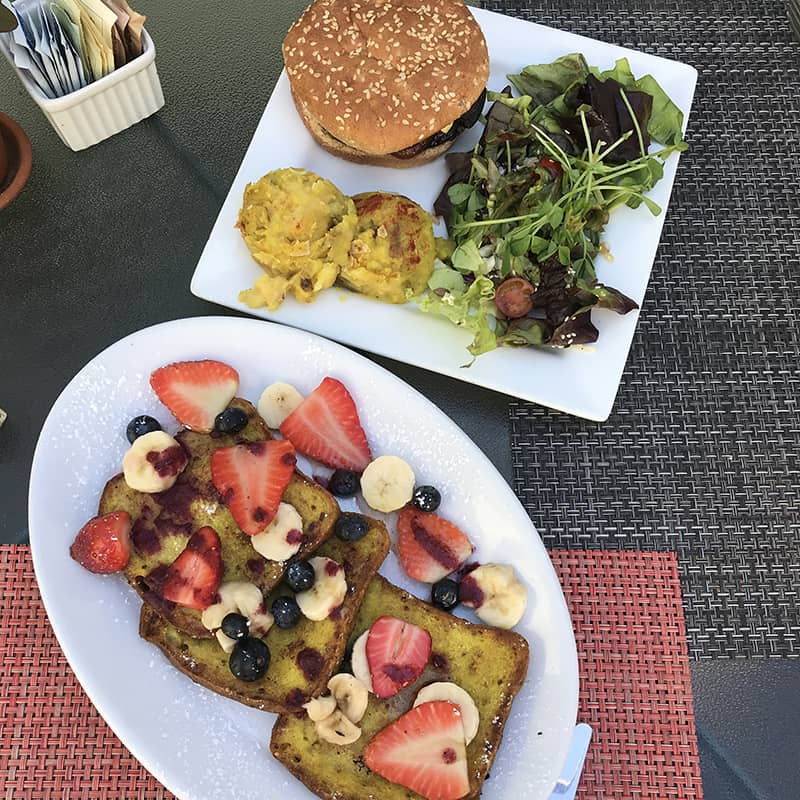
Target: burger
{"x":387,"y":82}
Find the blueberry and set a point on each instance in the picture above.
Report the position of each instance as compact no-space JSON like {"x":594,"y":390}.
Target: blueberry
{"x":231,"y":420}
{"x":234,"y":626}
{"x":344,"y":483}
{"x":286,"y":612}
{"x":426,"y":498}
{"x":141,"y":425}
{"x":299,"y":576}
{"x":249,"y":659}
{"x":445,"y":594}
{"x":351,"y":527}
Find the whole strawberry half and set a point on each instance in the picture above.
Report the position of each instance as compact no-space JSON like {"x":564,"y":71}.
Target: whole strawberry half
{"x":397,"y":652}
{"x":430,"y":547}
{"x":193,"y":577}
{"x":424,"y":751}
{"x":252,"y":478}
{"x":103,"y":543}
{"x":326,"y":427}
{"x":196,"y":391}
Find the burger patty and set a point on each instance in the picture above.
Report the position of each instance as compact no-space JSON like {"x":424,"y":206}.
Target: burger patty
{"x":465,"y":121}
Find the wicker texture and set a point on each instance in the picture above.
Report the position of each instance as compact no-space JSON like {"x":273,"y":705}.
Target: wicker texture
{"x":53,"y":743}
{"x":635,"y":690}
{"x":700,"y":454}
{"x":634,"y":675}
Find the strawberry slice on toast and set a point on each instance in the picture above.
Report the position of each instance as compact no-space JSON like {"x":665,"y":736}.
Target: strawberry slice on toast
{"x":397,"y":652}
{"x":252,"y":477}
{"x":103,"y":544}
{"x":196,"y":391}
{"x":326,"y":427}
{"x":193,"y":577}
{"x":430,"y":547}
{"x":424,"y":751}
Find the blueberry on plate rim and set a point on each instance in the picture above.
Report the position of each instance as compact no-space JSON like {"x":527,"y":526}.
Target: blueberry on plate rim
{"x":426,"y":498}
{"x":141,"y":425}
{"x":445,"y":594}
{"x":344,"y":483}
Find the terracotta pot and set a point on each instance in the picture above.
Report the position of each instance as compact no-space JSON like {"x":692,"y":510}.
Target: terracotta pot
{"x":3,"y":161}
{"x":15,"y":159}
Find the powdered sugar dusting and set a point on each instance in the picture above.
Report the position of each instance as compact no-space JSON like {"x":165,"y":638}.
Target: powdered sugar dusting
{"x":91,"y":427}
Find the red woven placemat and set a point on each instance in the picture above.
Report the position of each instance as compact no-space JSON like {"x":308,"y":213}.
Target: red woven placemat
{"x":635,"y":690}
{"x":635,"y":685}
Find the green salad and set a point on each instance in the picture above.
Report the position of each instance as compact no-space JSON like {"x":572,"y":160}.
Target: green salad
{"x":526,"y":209}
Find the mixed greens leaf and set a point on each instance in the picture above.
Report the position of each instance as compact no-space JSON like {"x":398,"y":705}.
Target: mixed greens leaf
{"x":557,"y":85}
{"x":469,"y":307}
{"x":527,"y":208}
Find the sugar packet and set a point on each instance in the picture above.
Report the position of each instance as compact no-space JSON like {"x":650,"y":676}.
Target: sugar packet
{"x":63,"y":45}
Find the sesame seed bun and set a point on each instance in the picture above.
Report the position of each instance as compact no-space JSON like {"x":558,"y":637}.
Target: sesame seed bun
{"x":374,"y":77}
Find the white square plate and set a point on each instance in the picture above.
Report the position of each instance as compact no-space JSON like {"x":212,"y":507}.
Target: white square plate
{"x":584,"y":381}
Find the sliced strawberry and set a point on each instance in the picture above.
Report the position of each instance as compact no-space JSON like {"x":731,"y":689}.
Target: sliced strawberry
{"x":103,"y":543}
{"x":193,"y":577}
{"x":325,"y":426}
{"x":424,"y":751}
{"x":196,"y":391}
{"x":430,"y":547}
{"x":252,"y":478}
{"x":397,"y":653}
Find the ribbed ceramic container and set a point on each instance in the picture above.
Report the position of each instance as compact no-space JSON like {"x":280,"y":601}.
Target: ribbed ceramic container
{"x":105,"y":107}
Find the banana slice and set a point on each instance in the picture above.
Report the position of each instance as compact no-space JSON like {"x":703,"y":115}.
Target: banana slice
{"x":277,"y":402}
{"x":261,"y":623}
{"x":350,"y":694}
{"x":225,"y":642}
{"x":358,"y":661}
{"x":328,"y":591}
{"x":282,"y":537}
{"x":453,"y":693}
{"x":241,"y":597}
{"x":213,"y":615}
{"x":337,"y":729}
{"x":319,"y":708}
{"x":387,"y":483}
{"x":496,"y":593}
{"x":153,"y":462}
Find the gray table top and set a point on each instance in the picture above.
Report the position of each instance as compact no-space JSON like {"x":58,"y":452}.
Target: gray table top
{"x":102,"y":243}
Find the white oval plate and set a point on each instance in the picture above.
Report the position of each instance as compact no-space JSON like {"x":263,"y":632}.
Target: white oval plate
{"x":202,"y":746}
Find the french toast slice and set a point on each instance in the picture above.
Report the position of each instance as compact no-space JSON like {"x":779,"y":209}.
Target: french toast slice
{"x":302,"y":658}
{"x":489,"y":663}
{"x":163,"y":522}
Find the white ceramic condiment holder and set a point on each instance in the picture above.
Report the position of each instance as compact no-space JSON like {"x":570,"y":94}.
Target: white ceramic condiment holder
{"x":105,"y":107}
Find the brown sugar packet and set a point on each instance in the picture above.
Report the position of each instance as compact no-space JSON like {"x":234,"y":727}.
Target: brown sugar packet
{"x":118,"y":33}
{"x":133,"y":30}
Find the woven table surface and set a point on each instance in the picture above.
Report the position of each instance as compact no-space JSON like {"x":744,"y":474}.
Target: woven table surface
{"x":700,"y":453}
{"x":634,"y":671}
